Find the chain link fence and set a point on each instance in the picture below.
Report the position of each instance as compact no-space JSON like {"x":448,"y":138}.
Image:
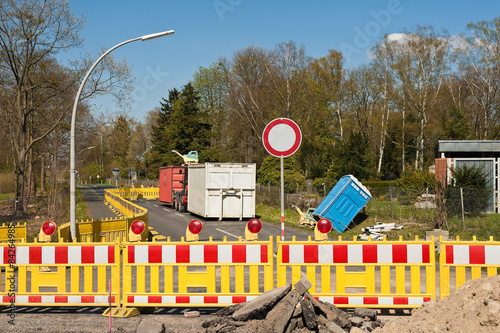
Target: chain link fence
{"x":270,"y":195}
{"x":393,"y":204}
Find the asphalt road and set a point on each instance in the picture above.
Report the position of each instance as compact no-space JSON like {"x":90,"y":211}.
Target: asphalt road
{"x":170,"y":223}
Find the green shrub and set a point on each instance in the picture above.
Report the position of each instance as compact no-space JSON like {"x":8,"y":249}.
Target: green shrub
{"x":413,"y":184}
{"x":473,"y":181}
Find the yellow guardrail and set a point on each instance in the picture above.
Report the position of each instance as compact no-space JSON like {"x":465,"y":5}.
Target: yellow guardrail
{"x":474,"y":259}
{"x":18,"y":232}
{"x":196,"y":273}
{"x":135,"y":193}
{"x":387,"y":274}
{"x":110,"y":230}
{"x":60,"y":274}
{"x":359,"y":273}
{"x":107,"y":230}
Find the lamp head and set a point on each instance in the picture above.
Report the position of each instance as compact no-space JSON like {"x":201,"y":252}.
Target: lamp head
{"x":157,"y":35}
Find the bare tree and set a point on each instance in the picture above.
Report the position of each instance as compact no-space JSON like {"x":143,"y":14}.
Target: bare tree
{"x":419,"y":61}
{"x":31,"y":32}
{"x":478,"y":61}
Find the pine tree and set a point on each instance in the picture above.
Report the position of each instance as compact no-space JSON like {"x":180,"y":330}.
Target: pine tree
{"x":180,"y":127}
{"x":159,"y":153}
{"x":456,"y":126}
{"x":187,"y":131}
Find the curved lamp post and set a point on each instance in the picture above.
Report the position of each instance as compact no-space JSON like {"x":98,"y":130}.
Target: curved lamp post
{"x":72,"y":170}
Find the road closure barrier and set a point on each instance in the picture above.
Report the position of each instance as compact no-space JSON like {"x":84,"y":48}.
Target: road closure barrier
{"x":466,"y":260}
{"x":60,"y":274}
{"x":196,"y":274}
{"x":149,"y":193}
{"x":109,"y":230}
{"x":379,"y":274}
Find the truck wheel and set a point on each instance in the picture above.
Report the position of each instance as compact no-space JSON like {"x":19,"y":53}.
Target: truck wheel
{"x":182,"y":208}
{"x":177,"y":204}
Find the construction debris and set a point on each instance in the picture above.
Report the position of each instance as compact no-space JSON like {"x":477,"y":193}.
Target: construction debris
{"x":191,"y":314}
{"x":290,"y":310}
{"x":426,"y":201}
{"x":376,"y":231}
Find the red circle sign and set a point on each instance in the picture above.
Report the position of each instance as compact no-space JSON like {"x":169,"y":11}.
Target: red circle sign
{"x":282,"y":137}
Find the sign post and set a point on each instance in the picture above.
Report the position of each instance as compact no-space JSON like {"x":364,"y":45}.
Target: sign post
{"x":281,"y":138}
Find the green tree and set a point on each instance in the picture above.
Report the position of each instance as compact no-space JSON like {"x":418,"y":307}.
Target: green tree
{"x":473,"y":181}
{"x":270,"y":172}
{"x":456,"y":126}
{"x":181,"y":128}
{"x":160,"y":153}
{"x":352,"y":158}
{"x":120,"y":142}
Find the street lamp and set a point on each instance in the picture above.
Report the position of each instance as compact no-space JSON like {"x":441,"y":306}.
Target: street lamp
{"x":84,"y":149}
{"x":72,"y":171}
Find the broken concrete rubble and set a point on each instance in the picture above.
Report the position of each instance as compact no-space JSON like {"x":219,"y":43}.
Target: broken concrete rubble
{"x":257,"y":308}
{"x":290,"y":310}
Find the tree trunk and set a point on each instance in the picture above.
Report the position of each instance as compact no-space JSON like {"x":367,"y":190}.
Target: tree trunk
{"x":42,"y":175}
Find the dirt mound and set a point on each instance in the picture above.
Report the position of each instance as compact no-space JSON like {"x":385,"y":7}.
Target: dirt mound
{"x":474,"y":307}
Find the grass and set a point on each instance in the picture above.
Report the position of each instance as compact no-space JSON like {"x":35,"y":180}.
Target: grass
{"x":415,"y":222}
{"x":272,"y":215}
{"x":4,"y":196}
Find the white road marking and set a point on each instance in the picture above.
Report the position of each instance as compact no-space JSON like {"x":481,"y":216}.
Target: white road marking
{"x":179,"y":214}
{"x":165,"y":209}
{"x":155,"y":205}
{"x":227,"y":233}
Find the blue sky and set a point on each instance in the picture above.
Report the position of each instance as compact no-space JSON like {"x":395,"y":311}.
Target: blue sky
{"x":207,"y":29}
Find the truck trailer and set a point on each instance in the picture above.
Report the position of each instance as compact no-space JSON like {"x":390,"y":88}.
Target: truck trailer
{"x":173,"y":187}
{"x":222,"y":190}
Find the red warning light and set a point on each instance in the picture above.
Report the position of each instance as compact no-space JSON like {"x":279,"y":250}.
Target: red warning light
{"x":254,"y":226}
{"x":138,"y":227}
{"x":49,"y":228}
{"x":324,"y":226}
{"x":195,"y":227}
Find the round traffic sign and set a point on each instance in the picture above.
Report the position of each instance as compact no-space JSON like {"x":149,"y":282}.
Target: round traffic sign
{"x":282,"y":137}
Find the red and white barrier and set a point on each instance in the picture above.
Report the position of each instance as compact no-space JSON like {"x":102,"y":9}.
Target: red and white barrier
{"x":188,"y":299}
{"x":363,"y":300}
{"x":50,"y":299}
{"x":356,"y":254}
{"x":47,"y":255}
{"x":473,"y":254}
{"x":198,"y":254}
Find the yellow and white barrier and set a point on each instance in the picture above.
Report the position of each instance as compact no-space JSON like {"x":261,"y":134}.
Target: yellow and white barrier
{"x":196,"y":273}
{"x":472,"y":259}
{"x":358,"y":273}
{"x":60,"y":274}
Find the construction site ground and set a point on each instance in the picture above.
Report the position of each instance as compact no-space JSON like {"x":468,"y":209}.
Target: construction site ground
{"x":91,"y":320}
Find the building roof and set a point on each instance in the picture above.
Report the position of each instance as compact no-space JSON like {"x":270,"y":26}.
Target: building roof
{"x":469,"y":146}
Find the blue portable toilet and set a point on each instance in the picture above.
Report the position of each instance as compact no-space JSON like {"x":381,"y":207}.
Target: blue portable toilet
{"x":343,"y":203}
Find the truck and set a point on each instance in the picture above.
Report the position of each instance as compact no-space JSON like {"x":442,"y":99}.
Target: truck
{"x":222,"y":190}
{"x":173,"y":186}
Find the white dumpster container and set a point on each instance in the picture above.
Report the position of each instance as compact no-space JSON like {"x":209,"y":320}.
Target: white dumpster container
{"x":222,"y":190}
